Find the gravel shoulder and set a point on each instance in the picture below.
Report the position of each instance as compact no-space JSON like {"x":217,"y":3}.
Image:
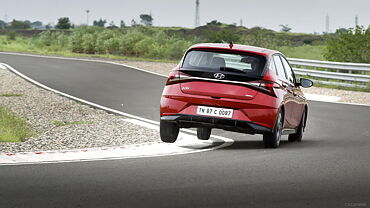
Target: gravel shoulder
{"x":345,"y":96}
{"x":44,"y":111}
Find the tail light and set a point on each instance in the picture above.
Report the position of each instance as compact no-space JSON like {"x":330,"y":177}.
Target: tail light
{"x":176,"y":77}
{"x":264,"y":86}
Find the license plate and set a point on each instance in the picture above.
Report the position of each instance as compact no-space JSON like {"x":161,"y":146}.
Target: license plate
{"x":211,"y":111}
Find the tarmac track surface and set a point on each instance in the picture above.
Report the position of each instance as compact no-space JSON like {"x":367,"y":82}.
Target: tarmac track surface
{"x":330,"y":168}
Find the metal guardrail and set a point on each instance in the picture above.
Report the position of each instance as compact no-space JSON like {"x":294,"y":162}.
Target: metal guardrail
{"x":333,"y":73}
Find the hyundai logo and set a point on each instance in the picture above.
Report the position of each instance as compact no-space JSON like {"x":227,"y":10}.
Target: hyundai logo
{"x":219,"y":75}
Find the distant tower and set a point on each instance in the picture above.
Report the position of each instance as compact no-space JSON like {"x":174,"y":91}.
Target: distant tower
{"x":87,"y":17}
{"x":327,"y":23}
{"x":356,"y":20}
{"x":197,"y":18}
{"x":241,"y":22}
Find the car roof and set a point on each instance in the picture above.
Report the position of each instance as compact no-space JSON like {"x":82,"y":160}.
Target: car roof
{"x":236,"y":47}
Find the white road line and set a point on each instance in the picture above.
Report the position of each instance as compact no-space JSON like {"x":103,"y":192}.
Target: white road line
{"x":185,"y":144}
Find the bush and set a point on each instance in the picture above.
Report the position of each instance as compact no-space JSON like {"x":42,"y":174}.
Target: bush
{"x":177,"y":48}
{"x":11,"y":34}
{"x":107,"y":42}
{"x":128,"y":41}
{"x":53,"y":40}
{"x":89,"y":43}
{"x":350,"y":45}
{"x":222,"y":36}
{"x":83,"y":39}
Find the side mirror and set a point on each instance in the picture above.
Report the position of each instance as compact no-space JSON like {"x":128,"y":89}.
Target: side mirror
{"x":306,"y":83}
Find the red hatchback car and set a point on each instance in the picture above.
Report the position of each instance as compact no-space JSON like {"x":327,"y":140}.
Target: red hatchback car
{"x":236,"y":88}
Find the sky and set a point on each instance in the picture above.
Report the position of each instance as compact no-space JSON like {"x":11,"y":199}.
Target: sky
{"x":306,"y":16}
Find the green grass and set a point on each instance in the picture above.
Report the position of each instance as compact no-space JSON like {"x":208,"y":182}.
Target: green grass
{"x":314,"y":52}
{"x":11,"y":95}
{"x":79,"y":103}
{"x":26,"y":45}
{"x":12,"y":127}
{"x":62,"y":123}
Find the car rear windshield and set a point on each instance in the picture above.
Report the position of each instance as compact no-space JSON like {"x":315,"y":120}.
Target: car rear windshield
{"x":214,"y":61}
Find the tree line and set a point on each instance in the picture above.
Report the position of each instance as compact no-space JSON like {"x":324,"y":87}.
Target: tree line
{"x":345,"y":45}
{"x":65,"y":23}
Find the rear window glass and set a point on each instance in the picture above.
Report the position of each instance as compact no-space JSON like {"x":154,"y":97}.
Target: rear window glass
{"x":222,"y":61}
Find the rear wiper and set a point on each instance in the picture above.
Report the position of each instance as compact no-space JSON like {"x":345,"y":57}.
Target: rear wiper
{"x":231,"y":69}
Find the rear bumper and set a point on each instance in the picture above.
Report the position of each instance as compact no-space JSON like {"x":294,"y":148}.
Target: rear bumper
{"x":189,"y":121}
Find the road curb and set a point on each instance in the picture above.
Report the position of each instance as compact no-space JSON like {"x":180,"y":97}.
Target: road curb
{"x":150,"y":149}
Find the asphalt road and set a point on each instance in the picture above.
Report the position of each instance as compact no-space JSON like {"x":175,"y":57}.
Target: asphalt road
{"x":330,"y":168}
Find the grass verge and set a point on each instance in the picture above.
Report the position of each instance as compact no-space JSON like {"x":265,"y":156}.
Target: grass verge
{"x":11,"y":95}
{"x":313,"y":52}
{"x":12,"y":127}
{"x":24,"y":45}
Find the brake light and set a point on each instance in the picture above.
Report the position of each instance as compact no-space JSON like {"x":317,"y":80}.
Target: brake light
{"x":176,"y":77}
{"x":264,"y":86}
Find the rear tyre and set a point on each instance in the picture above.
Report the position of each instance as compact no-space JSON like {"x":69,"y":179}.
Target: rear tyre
{"x":272,"y":140}
{"x":204,"y":133}
{"x":168,"y":131}
{"x":297,"y":137}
